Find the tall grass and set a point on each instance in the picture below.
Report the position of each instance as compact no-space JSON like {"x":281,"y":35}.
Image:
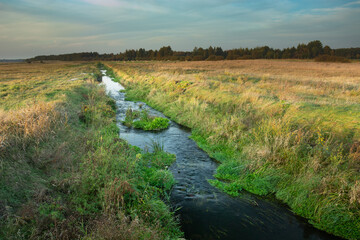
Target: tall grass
{"x":157,"y":145}
{"x":278,"y":127}
{"x":65,"y":174}
{"x":31,"y":124}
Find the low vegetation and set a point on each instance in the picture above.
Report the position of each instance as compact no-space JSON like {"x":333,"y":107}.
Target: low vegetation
{"x":285,"y":128}
{"x":64,"y":172}
{"x":143,"y":120}
{"x":328,"y":58}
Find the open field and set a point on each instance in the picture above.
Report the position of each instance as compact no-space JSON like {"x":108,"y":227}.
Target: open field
{"x":64,"y":172}
{"x":287,"y":128}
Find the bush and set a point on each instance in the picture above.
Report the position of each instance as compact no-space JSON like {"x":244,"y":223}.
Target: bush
{"x":215,"y":58}
{"x":328,"y":58}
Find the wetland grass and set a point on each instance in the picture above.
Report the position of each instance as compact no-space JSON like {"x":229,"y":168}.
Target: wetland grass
{"x":64,"y":172}
{"x":286,"y":128}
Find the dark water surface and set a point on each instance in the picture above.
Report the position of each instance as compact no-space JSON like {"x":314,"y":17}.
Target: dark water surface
{"x":205,"y":212}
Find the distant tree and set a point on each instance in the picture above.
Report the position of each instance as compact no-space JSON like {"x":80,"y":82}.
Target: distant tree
{"x":259,"y":52}
{"x":270,"y":54}
{"x":219,"y":51}
{"x":140,"y":54}
{"x":315,"y":48}
{"x":156,"y":53}
{"x":327,"y":50}
{"x":232,"y":55}
{"x":277,"y":54}
{"x":165,"y":52}
{"x":130,"y":55}
{"x":211,"y":51}
{"x":311,"y":50}
{"x":198,"y":54}
{"x":302,"y":51}
{"x":215,"y":58}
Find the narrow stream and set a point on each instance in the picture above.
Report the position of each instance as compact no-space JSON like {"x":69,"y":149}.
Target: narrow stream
{"x":206,"y":212}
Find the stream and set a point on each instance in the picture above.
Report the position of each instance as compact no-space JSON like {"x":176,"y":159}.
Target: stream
{"x":204,"y":211}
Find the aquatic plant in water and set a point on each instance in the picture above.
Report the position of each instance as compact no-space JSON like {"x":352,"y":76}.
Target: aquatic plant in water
{"x":145,"y":121}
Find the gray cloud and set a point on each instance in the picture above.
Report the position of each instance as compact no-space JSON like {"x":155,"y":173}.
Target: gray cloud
{"x":30,"y":27}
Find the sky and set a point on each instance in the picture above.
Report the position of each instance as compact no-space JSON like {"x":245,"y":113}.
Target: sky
{"x":41,"y":27}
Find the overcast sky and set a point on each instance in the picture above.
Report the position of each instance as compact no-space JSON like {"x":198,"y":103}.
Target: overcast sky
{"x":37,"y":27}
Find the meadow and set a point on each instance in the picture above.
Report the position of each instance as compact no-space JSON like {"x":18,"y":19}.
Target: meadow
{"x":64,"y":172}
{"x":283,"y":128}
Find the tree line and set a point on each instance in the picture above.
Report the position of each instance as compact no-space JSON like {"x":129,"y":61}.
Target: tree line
{"x":311,"y":50}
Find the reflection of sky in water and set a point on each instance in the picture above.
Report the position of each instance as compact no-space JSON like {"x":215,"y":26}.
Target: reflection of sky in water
{"x":205,"y":212}
{"x":111,"y":87}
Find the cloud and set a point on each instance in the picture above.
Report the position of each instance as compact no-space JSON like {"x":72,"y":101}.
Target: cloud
{"x":352,"y":4}
{"x":106,"y":3}
{"x":129,"y":5}
{"x":33,"y":27}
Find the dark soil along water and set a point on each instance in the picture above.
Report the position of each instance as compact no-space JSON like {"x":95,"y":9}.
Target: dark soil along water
{"x":205,"y":212}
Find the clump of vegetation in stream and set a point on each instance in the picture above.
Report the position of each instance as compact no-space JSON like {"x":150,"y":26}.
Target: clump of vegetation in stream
{"x":143,"y":120}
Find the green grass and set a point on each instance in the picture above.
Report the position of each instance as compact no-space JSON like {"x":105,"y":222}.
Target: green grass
{"x":302,"y":146}
{"x":143,"y":120}
{"x":64,"y":172}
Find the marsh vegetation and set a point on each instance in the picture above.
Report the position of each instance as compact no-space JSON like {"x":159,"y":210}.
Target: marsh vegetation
{"x":283,"y":128}
{"x":64,"y":172}
{"x":143,"y":120}
{"x":288,"y":129}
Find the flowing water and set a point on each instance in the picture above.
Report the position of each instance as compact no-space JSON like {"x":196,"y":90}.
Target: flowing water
{"x":205,"y":212}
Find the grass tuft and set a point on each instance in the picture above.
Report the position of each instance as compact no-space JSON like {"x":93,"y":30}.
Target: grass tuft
{"x":144,"y":121}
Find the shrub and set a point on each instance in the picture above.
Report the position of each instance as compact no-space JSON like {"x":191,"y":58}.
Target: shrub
{"x":328,"y":58}
{"x":215,"y":58}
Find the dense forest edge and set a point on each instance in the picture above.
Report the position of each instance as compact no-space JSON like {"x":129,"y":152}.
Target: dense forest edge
{"x":265,"y":146}
{"x":64,"y":171}
{"x":312,"y":50}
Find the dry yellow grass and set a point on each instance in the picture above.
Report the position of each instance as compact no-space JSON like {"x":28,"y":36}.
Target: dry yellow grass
{"x":31,"y":123}
{"x":24,"y":84}
{"x":30,"y":97}
{"x":294,"y":126}
{"x":328,"y":90}
{"x":289,"y":69}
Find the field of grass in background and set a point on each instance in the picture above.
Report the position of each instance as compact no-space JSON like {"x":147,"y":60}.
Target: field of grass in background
{"x":64,"y":172}
{"x":286,"y":128}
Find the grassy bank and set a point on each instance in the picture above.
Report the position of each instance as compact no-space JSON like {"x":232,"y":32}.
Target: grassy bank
{"x":287,"y":128}
{"x":64,"y":173}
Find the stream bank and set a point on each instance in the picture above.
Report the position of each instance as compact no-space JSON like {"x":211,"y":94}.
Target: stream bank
{"x":206,"y":212}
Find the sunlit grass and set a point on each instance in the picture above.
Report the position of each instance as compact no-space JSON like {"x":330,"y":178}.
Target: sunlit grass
{"x":24,"y":83}
{"x":289,"y":128}
{"x":64,"y":172}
